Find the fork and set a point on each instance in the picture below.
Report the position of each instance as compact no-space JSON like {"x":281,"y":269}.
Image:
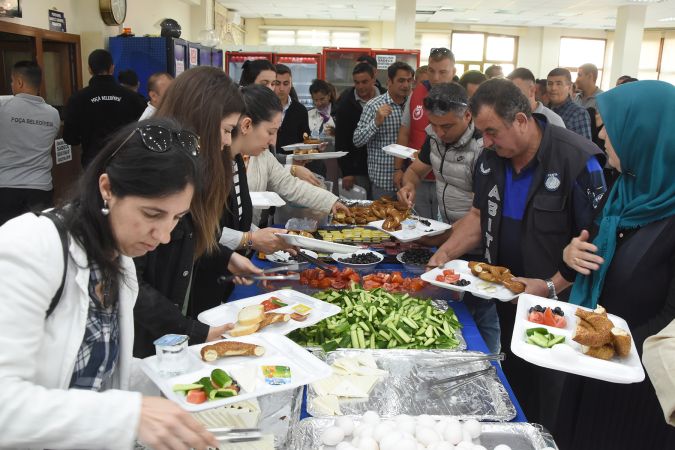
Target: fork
{"x":426,"y":388}
{"x":465,"y":360}
{"x":227,"y":434}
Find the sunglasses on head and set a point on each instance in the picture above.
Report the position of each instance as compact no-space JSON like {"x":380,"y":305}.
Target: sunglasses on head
{"x":159,"y":139}
{"x":439,"y":51}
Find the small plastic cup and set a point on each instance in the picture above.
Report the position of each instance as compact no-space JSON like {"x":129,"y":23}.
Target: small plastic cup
{"x":172,"y":355}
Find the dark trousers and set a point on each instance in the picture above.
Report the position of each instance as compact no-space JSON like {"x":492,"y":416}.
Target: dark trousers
{"x":15,"y":201}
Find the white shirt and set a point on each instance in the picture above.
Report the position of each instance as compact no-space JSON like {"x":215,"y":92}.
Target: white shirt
{"x":286,"y":106}
{"x":148,"y":113}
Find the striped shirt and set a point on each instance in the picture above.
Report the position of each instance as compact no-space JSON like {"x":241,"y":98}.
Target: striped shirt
{"x":380,"y":165}
{"x":237,"y":189}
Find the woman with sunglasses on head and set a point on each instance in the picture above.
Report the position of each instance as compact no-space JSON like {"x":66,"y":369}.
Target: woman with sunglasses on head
{"x":66,"y":330}
{"x":629,"y":268}
{"x":206,"y":99}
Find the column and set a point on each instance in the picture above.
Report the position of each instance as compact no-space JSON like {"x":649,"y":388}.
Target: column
{"x":630,"y":22}
{"x":404,"y":24}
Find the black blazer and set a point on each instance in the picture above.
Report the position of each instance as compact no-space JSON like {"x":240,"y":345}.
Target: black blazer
{"x":347,"y":114}
{"x":294,"y":125}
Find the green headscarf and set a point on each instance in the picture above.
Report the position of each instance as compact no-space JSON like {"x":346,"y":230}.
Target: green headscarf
{"x":639,"y":119}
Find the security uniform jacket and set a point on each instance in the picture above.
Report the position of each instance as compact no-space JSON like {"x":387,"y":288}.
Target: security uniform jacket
{"x":97,"y":111}
{"x":548,"y":224}
{"x":347,"y":114}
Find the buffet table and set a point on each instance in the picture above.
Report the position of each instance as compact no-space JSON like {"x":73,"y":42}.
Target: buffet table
{"x":474,"y":341}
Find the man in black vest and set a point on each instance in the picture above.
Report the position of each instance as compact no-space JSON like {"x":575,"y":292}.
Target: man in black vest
{"x":536,"y":186}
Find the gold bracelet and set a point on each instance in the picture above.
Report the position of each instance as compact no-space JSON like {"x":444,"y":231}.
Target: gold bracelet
{"x":244,"y":240}
{"x":293,"y":170}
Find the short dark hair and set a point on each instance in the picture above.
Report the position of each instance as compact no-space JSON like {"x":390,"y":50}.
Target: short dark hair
{"x":439,"y":53}
{"x":503,"y":96}
{"x":252,"y":68}
{"x":282,"y":69}
{"x":100,"y":61}
{"x":320,"y":86}
{"x":399,"y":65}
{"x":542,"y":83}
{"x":490,"y":71}
{"x":30,"y":72}
{"x":445,"y":98}
{"x":128,"y":77}
{"x":591,"y":68}
{"x":364,"y":67}
{"x":368,"y":59}
{"x":521,"y":73}
{"x":152,"y":79}
{"x":561,"y":72}
{"x":472,"y":77}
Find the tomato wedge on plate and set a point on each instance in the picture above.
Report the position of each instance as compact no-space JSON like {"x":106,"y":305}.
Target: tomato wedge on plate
{"x":196,"y":396}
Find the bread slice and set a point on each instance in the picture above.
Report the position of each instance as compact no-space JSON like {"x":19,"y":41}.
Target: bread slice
{"x":605,"y":352}
{"x":621,"y":340}
{"x":251,"y":315}
{"x":243,"y":330}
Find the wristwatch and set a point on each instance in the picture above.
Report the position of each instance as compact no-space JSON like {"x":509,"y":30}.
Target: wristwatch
{"x":551,"y":289}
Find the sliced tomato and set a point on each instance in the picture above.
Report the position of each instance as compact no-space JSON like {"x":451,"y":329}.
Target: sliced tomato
{"x":396,"y":277}
{"x":314,"y":283}
{"x":451,"y":278}
{"x":304,"y":281}
{"x":338,"y":284}
{"x":448,"y":272}
{"x":417,"y":285}
{"x":536,"y":317}
{"x":441,"y":278}
{"x":348,"y":271}
{"x":370,"y":284}
{"x":196,"y":396}
{"x":354,"y":277}
{"x":388,"y":287}
{"x":548,"y":317}
{"x":560,"y":321}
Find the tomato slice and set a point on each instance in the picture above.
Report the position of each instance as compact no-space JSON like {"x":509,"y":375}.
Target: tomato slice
{"x":325,"y":283}
{"x":441,"y":278}
{"x":548,"y":317}
{"x":314,"y":283}
{"x":354,"y":277}
{"x":338,"y":284}
{"x":417,"y":285}
{"x":560,"y":321}
{"x":396,"y":277}
{"x":370,"y":284}
{"x":196,"y":396}
{"x":536,"y":317}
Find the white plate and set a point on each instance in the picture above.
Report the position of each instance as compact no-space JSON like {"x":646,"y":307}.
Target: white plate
{"x":318,"y":245}
{"x":462,"y":268}
{"x":567,"y":357}
{"x":228,"y":312}
{"x":300,"y":146}
{"x":323,"y":155}
{"x":400,"y":151}
{"x":264,"y":200}
{"x":409,"y":235}
{"x":282,"y":257}
{"x":337,"y":256}
{"x":279,"y":351}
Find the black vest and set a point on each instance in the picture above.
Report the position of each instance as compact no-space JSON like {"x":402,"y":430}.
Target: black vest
{"x":548,"y":222}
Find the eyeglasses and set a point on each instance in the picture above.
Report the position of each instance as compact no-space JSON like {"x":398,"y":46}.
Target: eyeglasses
{"x":439,"y":51}
{"x":159,"y":139}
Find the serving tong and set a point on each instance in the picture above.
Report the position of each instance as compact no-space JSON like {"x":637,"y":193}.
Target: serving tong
{"x":317,"y":262}
{"x":233,"y":435}
{"x":265,"y":275}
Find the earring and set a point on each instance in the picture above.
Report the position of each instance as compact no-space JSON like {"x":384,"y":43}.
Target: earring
{"x":105,"y":210}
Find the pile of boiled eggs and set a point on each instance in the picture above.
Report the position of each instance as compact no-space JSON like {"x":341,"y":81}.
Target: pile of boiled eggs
{"x":403,"y":433}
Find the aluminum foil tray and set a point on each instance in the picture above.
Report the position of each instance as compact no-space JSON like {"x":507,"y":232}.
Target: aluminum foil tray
{"x":306,"y":435}
{"x":484,"y":398}
{"x":350,"y":202}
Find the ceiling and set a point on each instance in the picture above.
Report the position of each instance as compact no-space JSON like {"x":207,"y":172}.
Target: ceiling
{"x":588,"y":14}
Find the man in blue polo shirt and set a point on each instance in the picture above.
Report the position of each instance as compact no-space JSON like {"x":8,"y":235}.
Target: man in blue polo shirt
{"x":536,"y":186}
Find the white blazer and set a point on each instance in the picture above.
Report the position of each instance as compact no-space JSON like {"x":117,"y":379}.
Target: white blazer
{"x":37,"y":356}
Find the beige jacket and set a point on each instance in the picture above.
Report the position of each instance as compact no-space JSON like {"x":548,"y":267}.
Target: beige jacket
{"x":265,"y":173}
{"x":658,"y":356}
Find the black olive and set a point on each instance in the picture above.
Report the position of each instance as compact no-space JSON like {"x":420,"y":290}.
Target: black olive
{"x":361,"y":258}
{"x":558,"y":311}
{"x":539,"y":308}
{"x":425,"y":222}
{"x":418,"y":256}
{"x":462,"y":282}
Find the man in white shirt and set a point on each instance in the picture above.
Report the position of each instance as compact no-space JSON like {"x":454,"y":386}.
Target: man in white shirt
{"x":524,"y":79}
{"x":158,"y":83}
{"x":587,"y":76}
{"x":28,"y":127}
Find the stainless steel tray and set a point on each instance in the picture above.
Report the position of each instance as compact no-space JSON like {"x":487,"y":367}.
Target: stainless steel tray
{"x":306,"y":435}
{"x":484,"y":398}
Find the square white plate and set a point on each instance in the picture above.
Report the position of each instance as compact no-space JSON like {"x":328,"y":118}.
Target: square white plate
{"x":300,"y":146}
{"x":462,"y":268}
{"x":264,"y":200}
{"x":279,"y":351}
{"x":400,"y":151}
{"x":322,"y":155}
{"x":567,"y":357}
{"x":228,"y":312}
{"x":419,"y":231}
{"x":318,"y":245}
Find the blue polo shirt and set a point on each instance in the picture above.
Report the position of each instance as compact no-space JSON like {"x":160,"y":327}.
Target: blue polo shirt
{"x":587,"y":192}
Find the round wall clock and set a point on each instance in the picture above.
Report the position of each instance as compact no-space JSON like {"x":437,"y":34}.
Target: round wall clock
{"x":113,"y":12}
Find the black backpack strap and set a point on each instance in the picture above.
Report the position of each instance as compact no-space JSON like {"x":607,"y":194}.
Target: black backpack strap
{"x":63,"y":234}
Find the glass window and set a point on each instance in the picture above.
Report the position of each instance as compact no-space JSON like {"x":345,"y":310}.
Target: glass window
{"x":313,"y":37}
{"x":500,"y":48}
{"x":427,"y":41}
{"x":576,"y":51}
{"x":468,"y":46}
{"x":477,"y":51}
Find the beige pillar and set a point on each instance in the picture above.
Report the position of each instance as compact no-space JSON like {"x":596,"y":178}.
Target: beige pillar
{"x":630,"y":22}
{"x":404,"y":34}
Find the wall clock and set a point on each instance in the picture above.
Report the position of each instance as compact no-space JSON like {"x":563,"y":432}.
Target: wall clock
{"x":113,"y":12}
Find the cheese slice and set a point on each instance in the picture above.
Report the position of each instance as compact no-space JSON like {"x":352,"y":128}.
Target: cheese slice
{"x":348,"y":364}
{"x":347,"y":388}
{"x":246,"y":377}
{"x":366,"y":359}
{"x":363,"y":383}
{"x":327,"y":405}
{"x":326,"y":385}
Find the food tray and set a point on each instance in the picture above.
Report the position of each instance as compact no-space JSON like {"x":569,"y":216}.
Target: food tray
{"x":483,"y":399}
{"x":227,"y":313}
{"x":281,"y":257}
{"x":317,"y":245}
{"x":300,"y":146}
{"x":352,"y":202}
{"x":420,"y":230}
{"x":264,"y":200}
{"x":306,"y":435}
{"x":567,"y":357}
{"x":322,"y":155}
{"x":279,"y":350}
{"x":462,"y":268}
{"x":400,"y":151}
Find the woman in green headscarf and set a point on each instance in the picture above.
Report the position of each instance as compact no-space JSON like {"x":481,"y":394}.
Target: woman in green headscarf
{"x":629,"y":268}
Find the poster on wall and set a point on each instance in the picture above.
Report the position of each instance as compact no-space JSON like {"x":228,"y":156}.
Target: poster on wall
{"x":10,"y":8}
{"x":57,"y":21}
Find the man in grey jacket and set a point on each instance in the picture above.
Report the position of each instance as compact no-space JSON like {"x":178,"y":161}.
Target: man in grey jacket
{"x":451,"y":149}
{"x":28,"y":127}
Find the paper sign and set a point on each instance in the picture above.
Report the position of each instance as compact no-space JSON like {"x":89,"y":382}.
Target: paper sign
{"x":180,"y":67}
{"x":194,"y":57}
{"x":384,"y":61}
{"x":64,"y":152}
{"x":57,"y":21}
